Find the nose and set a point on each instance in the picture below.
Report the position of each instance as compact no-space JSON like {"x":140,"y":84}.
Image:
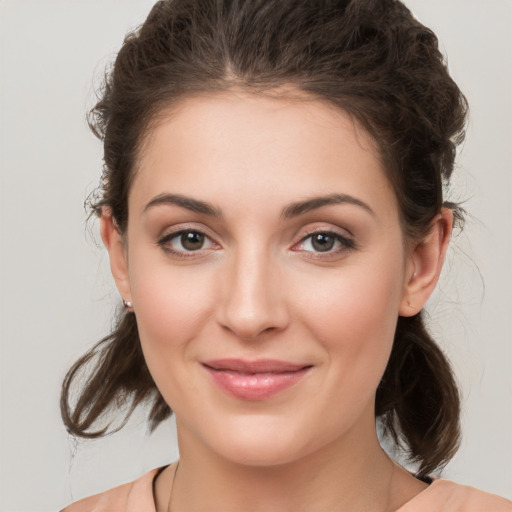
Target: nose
{"x":252,"y":300}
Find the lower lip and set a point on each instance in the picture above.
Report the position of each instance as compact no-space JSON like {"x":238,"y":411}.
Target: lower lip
{"x":257,"y":386}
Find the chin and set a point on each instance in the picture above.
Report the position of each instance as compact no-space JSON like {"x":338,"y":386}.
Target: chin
{"x":261,"y":455}
{"x":270,"y":446}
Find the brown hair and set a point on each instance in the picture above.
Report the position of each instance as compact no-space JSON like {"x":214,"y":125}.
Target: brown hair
{"x":368,"y":57}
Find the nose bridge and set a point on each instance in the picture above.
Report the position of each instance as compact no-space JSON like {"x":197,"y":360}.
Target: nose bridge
{"x":251,"y":301}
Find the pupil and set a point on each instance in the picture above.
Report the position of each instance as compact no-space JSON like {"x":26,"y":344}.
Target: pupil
{"x":322,"y":242}
{"x":192,"y":241}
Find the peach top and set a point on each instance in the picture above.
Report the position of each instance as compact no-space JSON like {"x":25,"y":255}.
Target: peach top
{"x":439,"y":496}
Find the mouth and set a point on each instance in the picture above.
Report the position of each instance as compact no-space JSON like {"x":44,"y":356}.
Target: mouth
{"x":254,"y":380}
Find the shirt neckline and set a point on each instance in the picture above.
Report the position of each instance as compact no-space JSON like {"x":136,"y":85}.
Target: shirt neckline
{"x":429,"y":480}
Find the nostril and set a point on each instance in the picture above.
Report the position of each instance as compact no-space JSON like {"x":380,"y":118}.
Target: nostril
{"x":249,"y":303}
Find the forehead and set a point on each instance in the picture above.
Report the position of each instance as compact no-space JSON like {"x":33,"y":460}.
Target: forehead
{"x":235,"y":144}
{"x":293,"y":114}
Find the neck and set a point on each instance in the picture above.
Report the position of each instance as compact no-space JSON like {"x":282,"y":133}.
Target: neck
{"x":347,"y":474}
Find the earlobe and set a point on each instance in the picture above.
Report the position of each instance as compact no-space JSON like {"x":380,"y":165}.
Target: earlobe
{"x":426,"y":262}
{"x":115,"y":246}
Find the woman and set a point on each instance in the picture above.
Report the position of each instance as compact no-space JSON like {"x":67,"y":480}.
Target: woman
{"x":273,"y":209}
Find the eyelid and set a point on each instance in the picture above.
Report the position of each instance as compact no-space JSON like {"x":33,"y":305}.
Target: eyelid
{"x":347,"y":242}
{"x":183,"y":227}
{"x":163,"y":241}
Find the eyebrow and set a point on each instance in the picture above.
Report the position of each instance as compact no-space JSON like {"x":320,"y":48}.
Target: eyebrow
{"x":292,"y":210}
{"x":301,"y":207}
{"x":194,"y":205}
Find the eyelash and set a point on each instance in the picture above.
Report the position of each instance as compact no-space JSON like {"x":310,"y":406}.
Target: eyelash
{"x":165,"y":240}
{"x":347,"y":244}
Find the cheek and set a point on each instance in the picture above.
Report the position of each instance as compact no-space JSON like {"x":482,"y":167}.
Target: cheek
{"x":166,"y":307}
{"x":353,"y":316}
{"x":171,"y":305}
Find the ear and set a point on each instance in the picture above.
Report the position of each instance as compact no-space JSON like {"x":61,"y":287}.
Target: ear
{"x":115,"y":246}
{"x":425,"y":264}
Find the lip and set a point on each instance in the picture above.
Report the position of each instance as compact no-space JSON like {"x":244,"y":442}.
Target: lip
{"x":254,"y":380}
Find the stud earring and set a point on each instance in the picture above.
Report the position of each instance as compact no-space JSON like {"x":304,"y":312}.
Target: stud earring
{"x":127,"y":304}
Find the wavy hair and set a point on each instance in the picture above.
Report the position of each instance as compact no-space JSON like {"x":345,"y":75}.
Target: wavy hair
{"x":372,"y":59}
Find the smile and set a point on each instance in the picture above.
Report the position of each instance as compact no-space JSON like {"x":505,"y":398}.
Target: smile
{"x":254,"y":380}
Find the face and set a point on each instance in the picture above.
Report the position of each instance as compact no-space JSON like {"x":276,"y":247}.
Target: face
{"x":265,"y":262}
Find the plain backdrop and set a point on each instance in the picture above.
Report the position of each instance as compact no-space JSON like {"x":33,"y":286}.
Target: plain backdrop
{"x":57,"y":296}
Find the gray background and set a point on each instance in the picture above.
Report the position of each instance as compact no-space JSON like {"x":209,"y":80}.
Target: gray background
{"x":57,"y":297}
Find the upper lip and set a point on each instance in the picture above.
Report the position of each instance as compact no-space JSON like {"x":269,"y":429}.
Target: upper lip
{"x":258,"y":366}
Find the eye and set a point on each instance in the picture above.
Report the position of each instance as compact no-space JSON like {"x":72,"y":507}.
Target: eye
{"x":179,"y":243}
{"x":325,"y":242}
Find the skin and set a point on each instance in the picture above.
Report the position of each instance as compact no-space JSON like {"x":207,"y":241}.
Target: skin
{"x":259,"y":288}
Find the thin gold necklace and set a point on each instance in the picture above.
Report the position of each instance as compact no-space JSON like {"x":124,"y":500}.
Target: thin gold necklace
{"x":172,"y":486}
{"x":386,"y":506}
